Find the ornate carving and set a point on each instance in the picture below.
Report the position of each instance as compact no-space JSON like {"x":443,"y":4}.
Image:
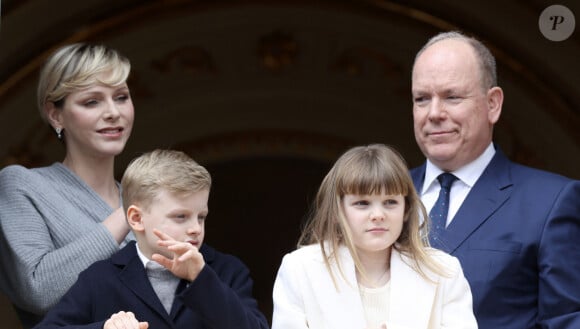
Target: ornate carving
{"x":364,"y":61}
{"x":193,"y":60}
{"x":277,"y":51}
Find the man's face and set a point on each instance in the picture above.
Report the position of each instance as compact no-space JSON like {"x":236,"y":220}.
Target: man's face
{"x":452,"y":112}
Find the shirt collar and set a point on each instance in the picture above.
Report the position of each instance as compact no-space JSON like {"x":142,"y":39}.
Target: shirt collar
{"x":142,"y":256}
{"x":468,"y":174}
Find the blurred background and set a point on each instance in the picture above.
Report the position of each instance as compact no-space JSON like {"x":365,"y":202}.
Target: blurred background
{"x":267,"y":94}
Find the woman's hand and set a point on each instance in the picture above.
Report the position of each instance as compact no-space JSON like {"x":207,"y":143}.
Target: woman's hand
{"x":117,"y":224}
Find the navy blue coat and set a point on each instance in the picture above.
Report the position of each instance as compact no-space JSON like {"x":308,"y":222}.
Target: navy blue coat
{"x":219,"y":298}
{"x":517,"y":236}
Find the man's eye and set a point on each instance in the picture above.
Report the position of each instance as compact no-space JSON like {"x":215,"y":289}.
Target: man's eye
{"x":420,"y":100}
{"x":454,"y":98}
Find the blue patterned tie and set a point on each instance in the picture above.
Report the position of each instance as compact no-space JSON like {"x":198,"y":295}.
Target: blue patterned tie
{"x":439,"y":211}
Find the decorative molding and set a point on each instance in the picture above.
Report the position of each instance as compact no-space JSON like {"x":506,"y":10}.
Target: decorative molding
{"x":192,"y":60}
{"x":277,"y":51}
{"x":364,"y":61}
{"x":265,"y":143}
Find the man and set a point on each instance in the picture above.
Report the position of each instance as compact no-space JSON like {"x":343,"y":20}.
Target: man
{"x":515,"y":230}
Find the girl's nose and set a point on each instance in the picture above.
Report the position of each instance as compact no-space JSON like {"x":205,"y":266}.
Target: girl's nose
{"x":377,"y":214}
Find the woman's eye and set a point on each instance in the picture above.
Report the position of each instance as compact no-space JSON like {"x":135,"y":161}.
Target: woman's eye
{"x":91,"y":103}
{"x":122,"y":98}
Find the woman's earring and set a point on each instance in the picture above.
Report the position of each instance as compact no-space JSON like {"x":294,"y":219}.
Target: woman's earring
{"x":58,"y":132}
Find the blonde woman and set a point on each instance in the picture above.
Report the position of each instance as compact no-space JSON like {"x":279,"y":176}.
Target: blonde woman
{"x":55,"y":221}
{"x":363,"y":259}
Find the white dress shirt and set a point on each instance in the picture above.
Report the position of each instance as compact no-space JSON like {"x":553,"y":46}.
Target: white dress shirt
{"x":467,"y":177}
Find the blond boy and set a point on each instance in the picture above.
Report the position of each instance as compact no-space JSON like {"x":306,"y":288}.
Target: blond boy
{"x":165,"y":196}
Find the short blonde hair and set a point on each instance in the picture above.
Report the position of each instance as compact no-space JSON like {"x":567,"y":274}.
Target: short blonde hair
{"x":168,"y":170}
{"x":367,"y":170}
{"x":78,"y":66}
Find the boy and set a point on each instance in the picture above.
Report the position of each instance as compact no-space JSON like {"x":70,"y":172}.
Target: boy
{"x":165,"y":195}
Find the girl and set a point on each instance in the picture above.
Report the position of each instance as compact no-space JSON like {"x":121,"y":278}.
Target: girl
{"x":363,"y":259}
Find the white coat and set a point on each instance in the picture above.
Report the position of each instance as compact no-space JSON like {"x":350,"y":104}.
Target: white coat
{"x":305,"y":296}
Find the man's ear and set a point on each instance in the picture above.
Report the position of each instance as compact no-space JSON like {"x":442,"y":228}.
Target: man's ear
{"x":135,"y":218}
{"x":495,"y":102}
{"x":53,"y":115}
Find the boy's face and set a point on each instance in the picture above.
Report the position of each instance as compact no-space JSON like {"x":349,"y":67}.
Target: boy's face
{"x":180,"y":216}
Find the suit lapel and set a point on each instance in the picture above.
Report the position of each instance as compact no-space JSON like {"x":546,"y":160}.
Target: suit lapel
{"x":412,"y":297}
{"x":178,"y":305}
{"x":342,"y":308}
{"x":488,"y":194}
{"x":134,"y":277}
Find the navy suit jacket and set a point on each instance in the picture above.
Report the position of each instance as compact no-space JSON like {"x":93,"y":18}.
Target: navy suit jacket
{"x":220,"y":297}
{"x":517,"y":236}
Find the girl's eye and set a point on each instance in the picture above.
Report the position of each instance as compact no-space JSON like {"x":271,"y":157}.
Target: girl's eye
{"x":180,"y":217}
{"x":361,"y":203}
{"x":391,"y":202}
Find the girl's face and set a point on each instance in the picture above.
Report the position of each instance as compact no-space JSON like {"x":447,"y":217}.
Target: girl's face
{"x":97,"y":121}
{"x":376,"y":221}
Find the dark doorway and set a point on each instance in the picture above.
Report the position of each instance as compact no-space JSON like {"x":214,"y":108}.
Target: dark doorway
{"x":257,"y":206}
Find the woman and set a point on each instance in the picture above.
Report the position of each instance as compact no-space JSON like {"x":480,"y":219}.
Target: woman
{"x":55,"y":221}
{"x":362,"y":261}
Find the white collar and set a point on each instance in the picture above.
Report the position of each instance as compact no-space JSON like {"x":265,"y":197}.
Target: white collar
{"x":468,"y":174}
{"x":142,"y":256}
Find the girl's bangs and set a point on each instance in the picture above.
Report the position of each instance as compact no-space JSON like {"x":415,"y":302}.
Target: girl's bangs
{"x":372,"y":178}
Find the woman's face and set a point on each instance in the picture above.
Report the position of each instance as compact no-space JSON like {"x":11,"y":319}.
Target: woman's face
{"x":97,"y":121}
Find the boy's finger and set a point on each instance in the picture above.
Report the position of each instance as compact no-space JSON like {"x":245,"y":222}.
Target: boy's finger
{"x":162,"y":260}
{"x":161,"y":235}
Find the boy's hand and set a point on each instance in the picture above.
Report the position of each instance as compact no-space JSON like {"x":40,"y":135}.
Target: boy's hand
{"x":187,"y":261}
{"x":124,"y":320}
